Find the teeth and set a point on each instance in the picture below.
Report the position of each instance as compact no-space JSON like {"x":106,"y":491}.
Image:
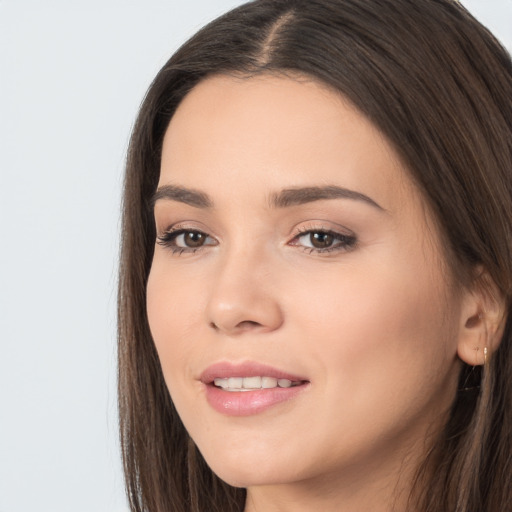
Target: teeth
{"x":221,"y":383}
{"x":235,"y":382}
{"x":252,"y":383}
{"x":268,"y":382}
{"x":248,"y":383}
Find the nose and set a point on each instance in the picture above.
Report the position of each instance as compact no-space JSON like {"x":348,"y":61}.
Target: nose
{"x":244,"y":297}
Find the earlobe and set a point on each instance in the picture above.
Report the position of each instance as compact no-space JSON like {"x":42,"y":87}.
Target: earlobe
{"x":482,"y":321}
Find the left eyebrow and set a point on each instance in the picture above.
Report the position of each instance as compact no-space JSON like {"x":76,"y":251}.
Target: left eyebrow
{"x":188,"y":196}
{"x":298,"y":196}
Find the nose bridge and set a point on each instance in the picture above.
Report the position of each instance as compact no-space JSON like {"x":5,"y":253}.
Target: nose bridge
{"x":243,"y":295}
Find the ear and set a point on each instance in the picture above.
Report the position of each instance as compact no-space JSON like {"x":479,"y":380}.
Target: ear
{"x":482,"y":320}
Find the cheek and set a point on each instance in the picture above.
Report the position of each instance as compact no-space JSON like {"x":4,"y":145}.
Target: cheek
{"x":370,"y":306}
{"x":174,"y":312}
{"x":380,"y":335}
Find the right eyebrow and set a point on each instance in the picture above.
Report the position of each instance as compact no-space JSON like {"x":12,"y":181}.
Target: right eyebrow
{"x":182,"y":195}
{"x":296,"y":196}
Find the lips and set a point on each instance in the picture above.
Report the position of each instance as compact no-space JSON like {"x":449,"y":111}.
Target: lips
{"x":252,"y":383}
{"x":249,"y":388}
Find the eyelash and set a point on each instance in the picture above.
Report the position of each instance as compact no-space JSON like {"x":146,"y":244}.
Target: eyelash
{"x":345,"y":242}
{"x":168,"y":240}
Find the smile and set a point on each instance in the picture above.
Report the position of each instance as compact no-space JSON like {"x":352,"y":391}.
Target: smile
{"x":249,"y":388}
{"x":253,"y":383}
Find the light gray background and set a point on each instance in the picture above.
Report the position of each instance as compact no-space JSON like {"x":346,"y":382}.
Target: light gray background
{"x":72,"y":75}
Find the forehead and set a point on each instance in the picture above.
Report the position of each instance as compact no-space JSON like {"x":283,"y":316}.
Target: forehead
{"x":274,"y":131}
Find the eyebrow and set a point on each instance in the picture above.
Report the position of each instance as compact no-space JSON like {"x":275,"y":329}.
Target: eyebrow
{"x":182,"y":195}
{"x":283,"y":199}
{"x":298,"y":196}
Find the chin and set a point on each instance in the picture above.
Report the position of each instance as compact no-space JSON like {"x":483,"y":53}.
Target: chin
{"x":243,"y":473}
{"x":249,"y":478}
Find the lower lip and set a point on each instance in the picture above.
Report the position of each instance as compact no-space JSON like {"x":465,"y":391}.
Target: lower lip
{"x":246,"y":403}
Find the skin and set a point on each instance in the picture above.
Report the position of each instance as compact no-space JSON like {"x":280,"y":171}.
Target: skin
{"x":374,"y":326}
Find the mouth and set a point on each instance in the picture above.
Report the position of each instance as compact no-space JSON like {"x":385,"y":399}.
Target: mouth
{"x":249,"y":388}
{"x":248,"y":376}
{"x":241,"y":384}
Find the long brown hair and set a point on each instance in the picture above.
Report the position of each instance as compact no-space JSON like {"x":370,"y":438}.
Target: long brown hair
{"x":439,"y":87}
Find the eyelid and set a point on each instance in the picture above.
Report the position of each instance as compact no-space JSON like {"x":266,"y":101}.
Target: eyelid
{"x":347,"y":239}
{"x":167,"y":238}
{"x":323,"y":226}
{"x":183,"y":225}
{"x":166,"y":226}
{"x":344,"y":239}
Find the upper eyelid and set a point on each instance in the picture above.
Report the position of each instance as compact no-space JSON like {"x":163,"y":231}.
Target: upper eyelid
{"x":320,"y":226}
{"x":347,"y":241}
{"x":184,"y":226}
{"x":335,"y":234}
{"x":326,"y":231}
{"x":178,"y":231}
{"x":303,"y":229}
{"x":167,"y":239}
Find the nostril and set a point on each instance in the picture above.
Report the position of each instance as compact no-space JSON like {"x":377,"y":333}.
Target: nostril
{"x":245,"y":325}
{"x":248,"y":324}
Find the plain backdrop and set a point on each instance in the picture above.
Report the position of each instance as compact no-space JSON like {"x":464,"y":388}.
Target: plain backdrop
{"x":72,"y":75}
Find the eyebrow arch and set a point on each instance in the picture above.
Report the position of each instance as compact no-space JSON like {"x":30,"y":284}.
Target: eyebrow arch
{"x":283,"y":199}
{"x":298,"y":196}
{"x":182,"y":195}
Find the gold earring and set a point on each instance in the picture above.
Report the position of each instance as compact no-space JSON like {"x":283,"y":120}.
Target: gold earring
{"x":485,"y":356}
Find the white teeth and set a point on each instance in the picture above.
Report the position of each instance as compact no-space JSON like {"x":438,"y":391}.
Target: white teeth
{"x":221,"y":383}
{"x":235,"y":382}
{"x":268,"y":382}
{"x":248,"y":383}
{"x":252,"y":383}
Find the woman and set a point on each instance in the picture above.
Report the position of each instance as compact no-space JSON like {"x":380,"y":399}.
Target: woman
{"x":316,"y":265}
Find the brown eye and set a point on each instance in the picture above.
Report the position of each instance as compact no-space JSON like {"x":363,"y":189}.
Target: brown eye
{"x":321,"y":240}
{"x":324,"y":241}
{"x":184,"y":240}
{"x":193,"y":239}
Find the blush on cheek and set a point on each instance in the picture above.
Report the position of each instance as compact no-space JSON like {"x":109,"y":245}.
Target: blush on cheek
{"x":386,"y":324}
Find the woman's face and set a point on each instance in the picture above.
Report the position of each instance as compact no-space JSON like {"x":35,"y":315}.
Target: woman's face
{"x":297,"y":261}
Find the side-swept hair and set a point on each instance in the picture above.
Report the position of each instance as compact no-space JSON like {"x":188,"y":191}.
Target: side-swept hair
{"x":439,"y":87}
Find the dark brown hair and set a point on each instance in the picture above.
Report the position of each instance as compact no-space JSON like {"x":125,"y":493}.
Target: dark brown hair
{"x":439,"y":87}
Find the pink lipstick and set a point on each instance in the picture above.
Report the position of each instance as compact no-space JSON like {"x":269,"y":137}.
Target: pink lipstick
{"x":249,"y":388}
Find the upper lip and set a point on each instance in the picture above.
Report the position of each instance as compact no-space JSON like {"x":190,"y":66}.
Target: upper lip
{"x":225,"y":369}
